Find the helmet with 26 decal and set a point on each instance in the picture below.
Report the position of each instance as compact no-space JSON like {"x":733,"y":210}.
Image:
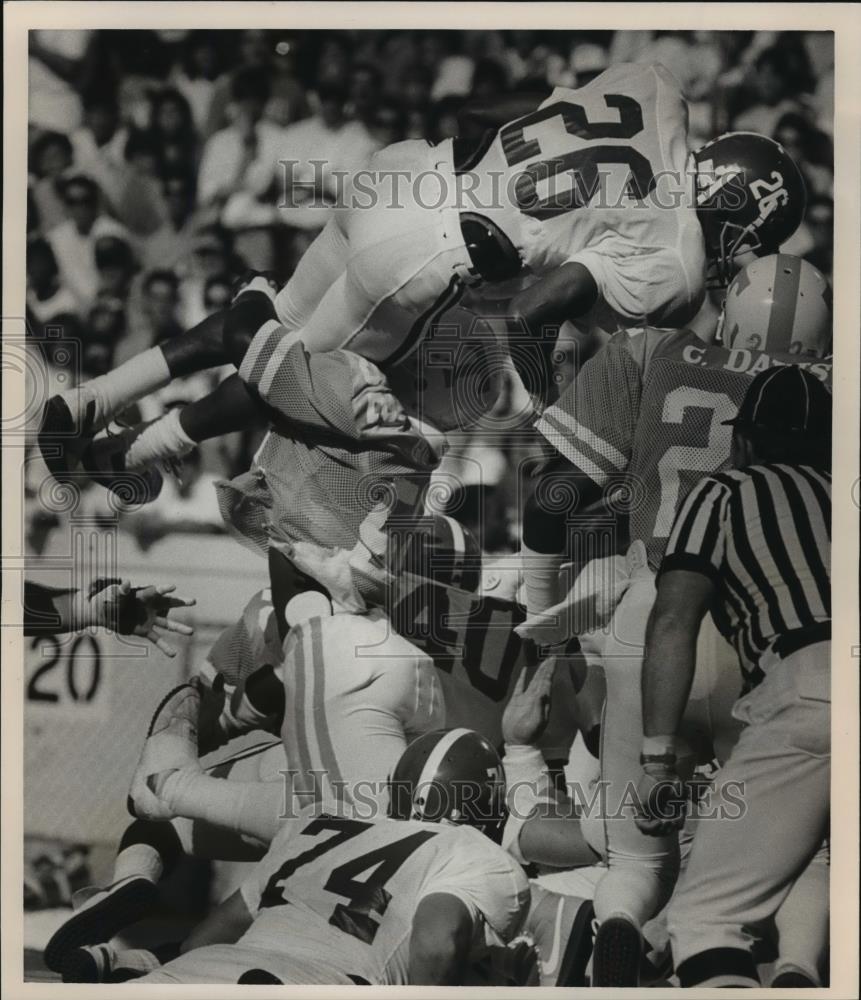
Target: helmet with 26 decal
{"x":781,"y":305}
{"x":750,"y":197}
{"x":453,"y":776}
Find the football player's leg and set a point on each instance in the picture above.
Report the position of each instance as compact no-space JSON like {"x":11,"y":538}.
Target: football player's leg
{"x":170,"y":781}
{"x":316,"y":272}
{"x":642,"y":870}
{"x":228,"y":408}
{"x":802,"y":924}
{"x":752,"y":815}
{"x":72,"y":417}
{"x":561,"y":927}
{"x":147,"y":852}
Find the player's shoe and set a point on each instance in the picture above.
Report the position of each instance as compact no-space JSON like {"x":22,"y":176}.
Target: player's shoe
{"x":69,"y":421}
{"x":100,"y":917}
{"x":171,"y":745}
{"x":617,"y":953}
{"x":794,"y":979}
{"x":258,"y":977}
{"x":105,"y":963}
{"x":561,"y":928}
{"x":103,"y":460}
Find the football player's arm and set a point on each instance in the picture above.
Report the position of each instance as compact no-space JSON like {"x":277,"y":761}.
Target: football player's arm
{"x":478,"y":116}
{"x":440,"y":942}
{"x":543,"y":826}
{"x":686,"y":587}
{"x":112,"y":604}
{"x":539,"y":311}
{"x":224,"y":925}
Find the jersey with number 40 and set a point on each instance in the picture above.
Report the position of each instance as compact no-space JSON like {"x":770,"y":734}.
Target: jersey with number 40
{"x":601,"y":176}
{"x":341,"y":892}
{"x":647,"y":412}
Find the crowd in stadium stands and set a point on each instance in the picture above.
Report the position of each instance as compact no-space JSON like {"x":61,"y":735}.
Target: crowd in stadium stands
{"x":154,"y":175}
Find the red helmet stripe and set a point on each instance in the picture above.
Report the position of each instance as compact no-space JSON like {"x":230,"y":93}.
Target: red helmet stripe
{"x":784,"y":302}
{"x":436,"y":755}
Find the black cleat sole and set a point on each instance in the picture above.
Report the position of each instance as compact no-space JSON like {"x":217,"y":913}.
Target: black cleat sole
{"x":616,"y":956}
{"x":100,"y":922}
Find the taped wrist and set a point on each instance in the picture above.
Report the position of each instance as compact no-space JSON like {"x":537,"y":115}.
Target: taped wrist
{"x":251,"y":310}
{"x":527,"y":785}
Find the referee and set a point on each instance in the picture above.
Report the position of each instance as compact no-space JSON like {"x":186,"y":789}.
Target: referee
{"x":752,"y":545}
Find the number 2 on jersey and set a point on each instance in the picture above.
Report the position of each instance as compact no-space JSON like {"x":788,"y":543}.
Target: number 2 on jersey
{"x":583,"y":164}
{"x":682,"y":458}
{"x":368,"y":900}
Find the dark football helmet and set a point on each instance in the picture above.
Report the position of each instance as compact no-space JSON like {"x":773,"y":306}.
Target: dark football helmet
{"x":750,"y":197}
{"x":453,"y":775}
{"x":439,"y":548}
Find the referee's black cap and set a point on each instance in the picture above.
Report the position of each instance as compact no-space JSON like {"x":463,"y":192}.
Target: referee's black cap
{"x":786,"y":398}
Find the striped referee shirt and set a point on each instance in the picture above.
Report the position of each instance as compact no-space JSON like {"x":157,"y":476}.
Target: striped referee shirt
{"x":763,"y":535}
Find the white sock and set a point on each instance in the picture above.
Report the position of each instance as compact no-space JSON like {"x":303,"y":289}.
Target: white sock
{"x":541,"y":579}
{"x":163,"y":439}
{"x":253,"y":808}
{"x":142,"y":860}
{"x":134,"y":379}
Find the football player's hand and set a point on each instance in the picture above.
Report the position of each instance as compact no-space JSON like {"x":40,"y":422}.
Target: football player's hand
{"x":661,"y":799}
{"x":526,"y":714}
{"x":143,"y":611}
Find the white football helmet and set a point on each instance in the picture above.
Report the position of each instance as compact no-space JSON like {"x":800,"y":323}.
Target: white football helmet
{"x":781,"y":305}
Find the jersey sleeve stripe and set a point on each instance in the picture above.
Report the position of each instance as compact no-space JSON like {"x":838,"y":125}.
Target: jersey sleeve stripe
{"x":561,"y":441}
{"x":249,"y":370}
{"x":324,"y":739}
{"x":597,"y":444}
{"x":274,"y":364}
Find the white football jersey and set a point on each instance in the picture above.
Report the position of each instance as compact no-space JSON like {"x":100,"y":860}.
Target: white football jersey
{"x":600,"y":176}
{"x":341,"y":893}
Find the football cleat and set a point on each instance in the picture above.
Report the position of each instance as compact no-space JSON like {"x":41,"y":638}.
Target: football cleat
{"x":105,"y":913}
{"x":561,"y":927}
{"x":105,"y":963}
{"x":794,"y":979}
{"x":103,"y":459}
{"x":67,"y":426}
{"x":171,"y":745}
{"x":617,"y":953}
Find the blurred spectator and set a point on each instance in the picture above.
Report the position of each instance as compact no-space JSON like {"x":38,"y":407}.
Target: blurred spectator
{"x":160,"y":301}
{"x":211,"y":256}
{"x":254,"y":51}
{"x":587,"y":61}
{"x":820,"y":222}
{"x":140,"y":206}
{"x":195,"y":78}
{"x":106,"y":326}
{"x":778,"y":79}
{"x":50,"y":157}
{"x":217,"y":293}
{"x":100,"y":142}
{"x":74,"y":240}
{"x":811,"y":150}
{"x":59,"y":67}
{"x":171,"y":244}
{"x":388,"y":125}
{"x":243,"y":156}
{"x":443,"y":119}
{"x":489,"y":79}
{"x":116,"y":265}
{"x":316,"y":147}
{"x":172,"y":126}
{"x":287,"y":100}
{"x":364,"y":95}
{"x":46,"y":297}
